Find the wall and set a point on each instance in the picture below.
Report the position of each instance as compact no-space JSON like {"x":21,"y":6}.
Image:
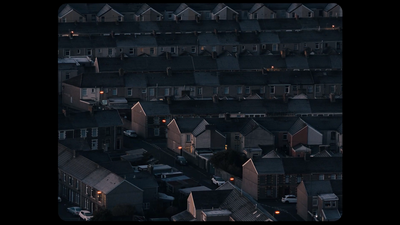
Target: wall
{"x":139,"y":121}
{"x":299,"y":137}
{"x":250,"y":179}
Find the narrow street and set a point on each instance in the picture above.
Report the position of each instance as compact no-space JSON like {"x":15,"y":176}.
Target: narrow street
{"x":165,"y":156}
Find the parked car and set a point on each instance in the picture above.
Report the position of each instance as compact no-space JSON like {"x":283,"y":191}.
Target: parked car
{"x":289,"y":199}
{"x":74,"y":210}
{"x":181,"y":160}
{"x":85,"y":215}
{"x":217,"y":180}
{"x":130,"y":133}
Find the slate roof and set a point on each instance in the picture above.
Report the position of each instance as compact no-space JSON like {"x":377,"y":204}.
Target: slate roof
{"x":88,"y":171}
{"x":104,"y":118}
{"x":187,"y":125}
{"x":154,"y":108}
{"x":298,"y":165}
{"x":281,"y":24}
{"x":228,"y":197}
{"x":201,"y":63}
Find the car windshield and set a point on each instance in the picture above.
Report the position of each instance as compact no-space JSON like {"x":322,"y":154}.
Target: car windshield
{"x":77,"y":209}
{"x":219,"y":179}
{"x":87,"y":213}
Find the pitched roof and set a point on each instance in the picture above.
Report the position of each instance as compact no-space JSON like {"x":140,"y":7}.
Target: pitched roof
{"x":187,"y":125}
{"x":154,"y":108}
{"x":229,"y":198}
{"x":298,"y":165}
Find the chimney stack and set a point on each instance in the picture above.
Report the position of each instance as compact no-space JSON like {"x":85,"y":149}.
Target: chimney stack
{"x":90,"y":108}
{"x":64,"y":111}
{"x":306,"y":156}
{"x":285,"y":97}
{"x":169,"y":71}
{"x":214,"y":54}
{"x":332,"y":97}
{"x":121,"y":72}
{"x":215,"y":98}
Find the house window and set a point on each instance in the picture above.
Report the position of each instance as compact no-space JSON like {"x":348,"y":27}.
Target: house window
{"x":309,"y":14}
{"x":315,"y":201}
{"x":151,"y":91}
{"x":94,"y":132}
{"x":114,"y":91}
{"x":156,"y":131}
{"x":64,"y":177}
{"x":333,"y":135}
{"x":226,"y":90}
{"x":255,"y":48}
{"x":83,"y":133}
{"x":70,"y":180}
{"x":199,"y":91}
{"x":286,"y":179}
{"x":287,"y":89}
{"x":316,"y":45}
{"x":61,"y":135}
{"x":67,"y":75}
{"x":166,"y":91}
{"x":156,"y":120}
{"x":131,"y":51}
{"x":66,"y":52}
{"x":333,"y":177}
{"x":172,"y":49}
{"x":120,"y":18}
{"x":193,"y":49}
{"x":87,"y":189}
{"x":239,"y":90}
{"x":129,"y":91}
{"x":247,"y":90}
{"x":296,"y":46}
{"x":294,"y":88}
{"x":255,"y":16}
{"x":318,"y":88}
{"x":272,"y":89}
{"x":77,"y":184}
{"x":89,"y":51}
{"x":310,"y":89}
{"x":332,"y":88}
{"x":187,"y":137}
{"x":215,"y":90}
{"x":214,"y":48}
{"x":262,"y":90}
{"x":284,"y":136}
{"x":110,"y":51}
{"x":151,"y":51}
{"x":78,"y":51}
{"x":298,"y":178}
{"x":234,"y":48}
{"x":321,"y":177}
{"x":274,"y":47}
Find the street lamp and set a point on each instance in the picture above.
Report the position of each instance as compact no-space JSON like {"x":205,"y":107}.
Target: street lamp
{"x":180,"y":150}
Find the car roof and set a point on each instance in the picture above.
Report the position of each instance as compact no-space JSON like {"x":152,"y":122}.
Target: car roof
{"x":85,"y":211}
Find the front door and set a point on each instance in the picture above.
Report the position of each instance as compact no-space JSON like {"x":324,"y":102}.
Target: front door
{"x":94,"y":144}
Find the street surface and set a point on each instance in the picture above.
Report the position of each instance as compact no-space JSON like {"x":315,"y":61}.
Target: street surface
{"x":165,"y":156}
